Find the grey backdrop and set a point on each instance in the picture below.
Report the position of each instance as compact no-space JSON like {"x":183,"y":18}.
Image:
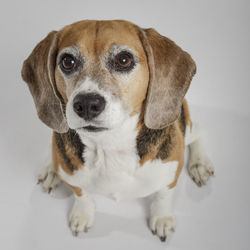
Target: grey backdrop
{"x":217,"y":35}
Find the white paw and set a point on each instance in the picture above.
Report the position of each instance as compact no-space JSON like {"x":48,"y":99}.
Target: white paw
{"x":82,"y":216}
{"x":201,"y":170}
{"x":162,"y":226}
{"x":48,"y":178}
{"x":162,"y":220}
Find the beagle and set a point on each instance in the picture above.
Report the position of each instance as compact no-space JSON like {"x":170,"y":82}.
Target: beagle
{"x":113,"y":94}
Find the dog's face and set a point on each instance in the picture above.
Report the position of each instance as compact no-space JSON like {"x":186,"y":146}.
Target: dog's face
{"x":92,"y":75}
{"x":102,"y":74}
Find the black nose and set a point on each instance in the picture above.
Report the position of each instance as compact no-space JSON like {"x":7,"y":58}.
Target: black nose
{"x":88,"y":106}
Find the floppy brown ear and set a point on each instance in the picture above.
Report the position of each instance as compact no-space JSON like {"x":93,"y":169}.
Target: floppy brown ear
{"x":171,"y":71}
{"x":38,"y":72}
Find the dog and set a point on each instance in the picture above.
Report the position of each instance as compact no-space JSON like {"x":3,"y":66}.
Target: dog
{"x":113,"y":94}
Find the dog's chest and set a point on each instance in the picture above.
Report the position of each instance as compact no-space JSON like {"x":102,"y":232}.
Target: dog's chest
{"x":118,"y":174}
{"x":109,"y":171}
{"x":112,"y":167}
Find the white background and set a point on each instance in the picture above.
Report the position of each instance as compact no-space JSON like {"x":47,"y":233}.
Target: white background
{"x":217,"y":35}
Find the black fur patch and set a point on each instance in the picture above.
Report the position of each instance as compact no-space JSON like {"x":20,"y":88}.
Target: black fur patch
{"x":72,"y":140}
{"x":183,"y":120}
{"x":147,"y":138}
{"x":165,"y":147}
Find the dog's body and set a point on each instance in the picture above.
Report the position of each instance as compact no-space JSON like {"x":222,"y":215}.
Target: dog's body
{"x":113,"y":94}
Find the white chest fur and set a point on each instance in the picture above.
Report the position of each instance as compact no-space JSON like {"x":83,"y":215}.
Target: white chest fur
{"x":112,"y":166}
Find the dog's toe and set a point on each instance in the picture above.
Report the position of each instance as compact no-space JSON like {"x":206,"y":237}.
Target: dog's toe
{"x":162,"y":226}
{"x":200,"y":172}
{"x":48,"y":179}
{"x":80,"y":222}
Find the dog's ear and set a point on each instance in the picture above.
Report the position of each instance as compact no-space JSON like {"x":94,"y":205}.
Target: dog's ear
{"x":171,"y":70}
{"x":38,"y":71}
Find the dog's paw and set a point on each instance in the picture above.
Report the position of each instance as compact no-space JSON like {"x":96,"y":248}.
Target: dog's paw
{"x":48,"y":178}
{"x":162,"y":226}
{"x":80,"y":222}
{"x":82,"y":216}
{"x":200,"y":171}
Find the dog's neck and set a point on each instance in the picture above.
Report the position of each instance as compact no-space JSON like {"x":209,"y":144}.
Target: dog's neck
{"x":122,"y":139}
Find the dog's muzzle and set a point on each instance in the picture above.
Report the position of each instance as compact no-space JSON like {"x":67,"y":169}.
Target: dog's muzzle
{"x":88,"y":106}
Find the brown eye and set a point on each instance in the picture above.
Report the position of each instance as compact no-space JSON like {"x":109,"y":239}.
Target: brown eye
{"x":67,"y":63}
{"x":124,"y":61}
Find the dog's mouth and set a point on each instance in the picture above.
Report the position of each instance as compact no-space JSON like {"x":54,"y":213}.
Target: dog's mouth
{"x":93,"y":129}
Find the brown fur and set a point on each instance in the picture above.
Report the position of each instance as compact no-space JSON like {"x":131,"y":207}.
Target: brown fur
{"x":59,"y":159}
{"x":186,"y":113}
{"x":94,"y":39}
{"x":38,"y":72}
{"x":173,"y":150}
{"x":78,"y":191}
{"x":171,"y":71}
{"x":166,"y":144}
{"x":69,"y":150}
{"x":177,"y":154}
{"x":61,"y":85}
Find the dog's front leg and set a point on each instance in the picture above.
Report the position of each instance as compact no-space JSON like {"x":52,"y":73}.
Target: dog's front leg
{"x":162,"y":220}
{"x":82,"y":215}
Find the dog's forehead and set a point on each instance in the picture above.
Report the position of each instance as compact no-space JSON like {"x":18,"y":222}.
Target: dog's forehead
{"x":97,"y":37}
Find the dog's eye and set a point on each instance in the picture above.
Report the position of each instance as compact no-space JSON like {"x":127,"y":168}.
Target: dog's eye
{"x":124,"y":61}
{"x":68,"y":63}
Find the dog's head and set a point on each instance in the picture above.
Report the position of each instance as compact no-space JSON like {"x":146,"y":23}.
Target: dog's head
{"x":92,"y":75}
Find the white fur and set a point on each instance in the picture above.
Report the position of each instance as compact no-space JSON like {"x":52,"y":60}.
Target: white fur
{"x":200,"y":168}
{"x":162,"y":220}
{"x":112,"y":116}
{"x":112,"y":165}
{"x":48,"y":177}
{"x":82,"y":215}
